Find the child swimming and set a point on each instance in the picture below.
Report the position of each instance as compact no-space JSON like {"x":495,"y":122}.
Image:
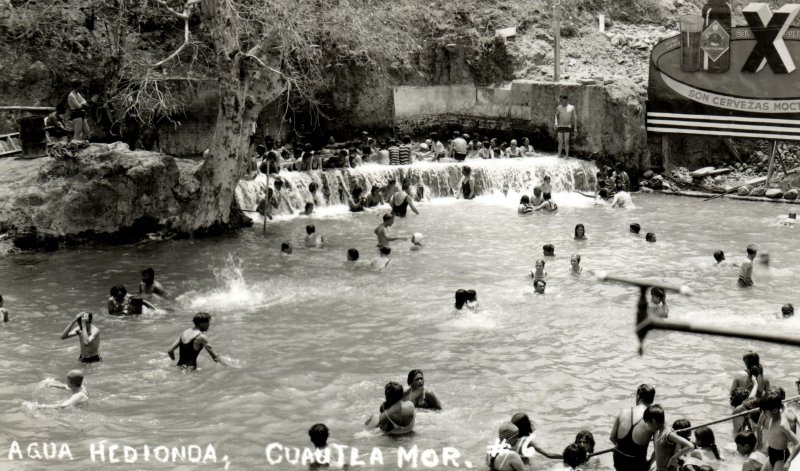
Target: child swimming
{"x":658,"y":303}
{"x":539,"y":286}
{"x":382,"y":261}
{"x":580,"y":232}
{"x":524,"y":205}
{"x":539,"y":274}
{"x":575,"y":267}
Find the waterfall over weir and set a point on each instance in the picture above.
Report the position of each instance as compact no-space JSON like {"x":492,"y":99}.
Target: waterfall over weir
{"x":438,"y":179}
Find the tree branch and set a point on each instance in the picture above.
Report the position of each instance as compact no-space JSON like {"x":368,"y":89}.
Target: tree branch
{"x":182,"y":16}
{"x":177,"y":51}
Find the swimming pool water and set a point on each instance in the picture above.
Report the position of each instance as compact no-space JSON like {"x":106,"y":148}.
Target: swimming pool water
{"x":311,"y":342}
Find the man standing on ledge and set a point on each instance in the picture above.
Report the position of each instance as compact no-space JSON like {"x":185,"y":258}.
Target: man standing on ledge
{"x":566,"y":125}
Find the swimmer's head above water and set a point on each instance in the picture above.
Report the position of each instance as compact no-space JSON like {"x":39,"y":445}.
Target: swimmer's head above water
{"x":792,"y":215}
{"x":574,"y":455}
{"x":385,"y":251}
{"x":318,"y":433}
{"x":202,"y":320}
{"x":310,"y":229}
{"x":537,"y":191}
{"x":653,"y":417}
{"x":645,"y":394}
{"x":508,"y":433}
{"x":388,"y":219}
{"x":393,"y":392}
{"x":752,"y":250}
{"x":118,"y":292}
{"x":539,"y":286}
{"x":75,"y":378}
{"x":309,"y":209}
{"x":525,"y":200}
{"x":549,"y":250}
{"x":719,"y":256}
{"x":787,"y":310}
{"x":352,"y":255}
{"x":286,"y":248}
{"x":415,"y":379}
{"x":466,"y":170}
{"x":148,"y":275}
{"x":580,"y":231}
{"x":85,"y":319}
{"x":650,"y":237}
{"x":575,"y":260}
{"x":635,"y":228}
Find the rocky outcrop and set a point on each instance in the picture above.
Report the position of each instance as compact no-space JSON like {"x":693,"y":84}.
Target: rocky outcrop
{"x":105,"y":193}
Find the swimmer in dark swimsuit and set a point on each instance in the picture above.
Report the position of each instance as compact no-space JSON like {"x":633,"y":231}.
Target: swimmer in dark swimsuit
{"x":418,"y":394}
{"x":624,"y":422}
{"x":401,"y":201}
{"x":192,"y":341}
{"x":746,"y":270}
{"x":467,"y":184}
{"x":119,"y":301}
{"x":630,"y":451}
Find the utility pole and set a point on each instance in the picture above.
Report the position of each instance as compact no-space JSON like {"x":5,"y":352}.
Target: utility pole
{"x":557,"y":36}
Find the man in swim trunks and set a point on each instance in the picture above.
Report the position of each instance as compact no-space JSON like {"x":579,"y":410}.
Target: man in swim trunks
{"x":149,"y":285}
{"x":719,"y":256}
{"x":566,"y":124}
{"x":401,"y":200}
{"x":746,"y":270}
{"x":418,"y":394}
{"x":74,"y":385}
{"x":397,"y":415}
{"x":192,"y":341}
{"x":467,"y":185}
{"x":459,"y":147}
{"x":382,"y":231}
{"x":313,"y":239}
{"x":779,"y":434}
{"x":635,"y":228}
{"x":89,"y":337}
{"x":623,"y":424}
{"x":751,"y":376}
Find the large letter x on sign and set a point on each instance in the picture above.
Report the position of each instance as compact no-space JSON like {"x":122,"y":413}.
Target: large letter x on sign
{"x":768,"y":30}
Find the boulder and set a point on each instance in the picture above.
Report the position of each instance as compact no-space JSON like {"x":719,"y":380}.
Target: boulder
{"x":105,"y":192}
{"x":648,"y":175}
{"x":758,"y":192}
{"x":743,"y":191}
{"x":791,"y":194}
{"x":774,"y":193}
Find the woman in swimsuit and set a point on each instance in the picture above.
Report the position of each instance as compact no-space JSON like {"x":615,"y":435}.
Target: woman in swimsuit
{"x":192,"y":341}
{"x":630,"y":455}
{"x":501,"y":458}
{"x":467,"y":185}
{"x":396,"y":416}
{"x":418,"y":394}
{"x":401,"y":201}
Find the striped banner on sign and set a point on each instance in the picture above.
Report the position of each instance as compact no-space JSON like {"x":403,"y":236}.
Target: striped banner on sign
{"x":727,"y":126}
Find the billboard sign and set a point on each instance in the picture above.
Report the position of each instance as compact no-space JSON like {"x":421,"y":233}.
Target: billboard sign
{"x":717,"y":80}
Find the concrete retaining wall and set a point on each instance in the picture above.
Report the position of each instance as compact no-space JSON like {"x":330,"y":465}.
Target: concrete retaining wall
{"x":610,"y":117}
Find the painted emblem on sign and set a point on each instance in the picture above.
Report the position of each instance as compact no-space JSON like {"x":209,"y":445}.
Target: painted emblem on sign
{"x":715,"y":41}
{"x":768,"y":29}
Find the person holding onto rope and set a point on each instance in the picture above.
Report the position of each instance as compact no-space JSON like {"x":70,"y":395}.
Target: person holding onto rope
{"x":629,"y":425}
{"x":526,"y":446}
{"x":418,"y":394}
{"x":738,"y":396}
{"x":779,"y":435}
{"x":668,"y":447}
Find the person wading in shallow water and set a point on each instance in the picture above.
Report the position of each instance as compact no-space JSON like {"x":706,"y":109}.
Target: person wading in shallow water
{"x":89,"y":336}
{"x":421,"y":397}
{"x":192,"y":341}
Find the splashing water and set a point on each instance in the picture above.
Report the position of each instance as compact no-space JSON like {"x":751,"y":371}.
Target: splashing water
{"x":234,"y":291}
{"x":440,"y":180}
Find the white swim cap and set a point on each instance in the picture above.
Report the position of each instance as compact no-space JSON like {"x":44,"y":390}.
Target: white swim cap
{"x":416,"y":238}
{"x":428,"y":141}
{"x":423,"y":146}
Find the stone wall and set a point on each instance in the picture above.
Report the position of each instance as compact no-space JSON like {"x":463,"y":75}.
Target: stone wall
{"x":610,"y":117}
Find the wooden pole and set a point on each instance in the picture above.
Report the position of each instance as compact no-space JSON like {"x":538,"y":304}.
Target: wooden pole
{"x":659,"y":324}
{"x":557,"y":36}
{"x":665,"y":151}
{"x":771,"y":163}
{"x":689,"y":429}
